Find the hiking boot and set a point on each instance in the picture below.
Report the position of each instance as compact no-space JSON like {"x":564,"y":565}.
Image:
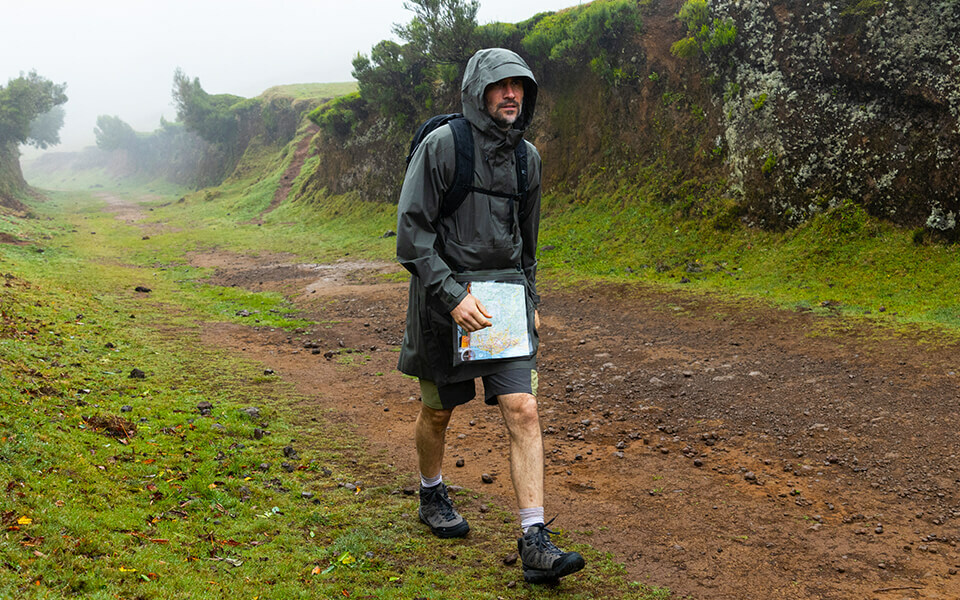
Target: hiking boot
{"x":437,"y":511}
{"x":543,"y":562}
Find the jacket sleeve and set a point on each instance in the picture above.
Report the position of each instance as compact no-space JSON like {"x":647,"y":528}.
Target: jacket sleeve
{"x":530,"y":223}
{"x":429,"y":174}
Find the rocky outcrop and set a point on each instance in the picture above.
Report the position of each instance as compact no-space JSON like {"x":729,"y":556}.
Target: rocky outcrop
{"x":369,"y":162}
{"x":821,"y":103}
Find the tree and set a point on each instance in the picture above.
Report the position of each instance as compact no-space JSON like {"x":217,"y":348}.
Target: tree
{"x":45,"y":129}
{"x":27,"y":116}
{"x":171,"y":152}
{"x":25,"y":99}
{"x":113,"y":133}
{"x":443,"y":30}
{"x":402,"y":81}
{"x":393,"y":79}
{"x":209,"y":116}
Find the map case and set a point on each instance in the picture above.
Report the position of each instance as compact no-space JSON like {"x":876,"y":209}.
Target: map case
{"x":509,"y":336}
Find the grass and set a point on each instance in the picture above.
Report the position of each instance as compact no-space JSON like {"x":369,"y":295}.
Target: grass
{"x":311,"y":91}
{"x":636,"y":224}
{"x":223,"y":218}
{"x":117,"y":486}
{"x":842,"y":261}
{"x":97,"y":180}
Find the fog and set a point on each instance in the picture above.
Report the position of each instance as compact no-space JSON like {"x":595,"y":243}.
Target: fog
{"x":117,"y":57}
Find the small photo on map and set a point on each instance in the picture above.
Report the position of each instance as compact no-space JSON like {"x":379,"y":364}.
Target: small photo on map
{"x":509,"y":337}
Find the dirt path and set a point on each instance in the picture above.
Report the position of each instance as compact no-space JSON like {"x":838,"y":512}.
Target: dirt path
{"x":132,"y":213}
{"x":723,"y":449}
{"x":293,"y":170}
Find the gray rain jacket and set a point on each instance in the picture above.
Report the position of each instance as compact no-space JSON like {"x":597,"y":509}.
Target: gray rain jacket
{"x":484,"y":233}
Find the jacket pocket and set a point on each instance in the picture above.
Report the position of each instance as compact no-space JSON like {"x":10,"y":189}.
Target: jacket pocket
{"x":437,"y":327}
{"x":486,"y":221}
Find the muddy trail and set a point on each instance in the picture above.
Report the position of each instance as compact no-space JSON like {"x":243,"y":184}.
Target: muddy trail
{"x":720,"y":448}
{"x":724,"y":449}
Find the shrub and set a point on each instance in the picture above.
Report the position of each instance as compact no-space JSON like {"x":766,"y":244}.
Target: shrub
{"x":499,"y":35}
{"x":340,"y":116}
{"x":769,"y":165}
{"x":863,"y":7}
{"x":694,"y":14}
{"x":592,"y":32}
{"x":722,"y":34}
{"x":685,"y":48}
{"x":546,"y":34}
{"x":844,"y":220}
{"x":703,"y":34}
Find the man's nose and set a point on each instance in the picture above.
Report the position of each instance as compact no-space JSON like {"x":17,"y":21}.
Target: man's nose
{"x":509,"y":91}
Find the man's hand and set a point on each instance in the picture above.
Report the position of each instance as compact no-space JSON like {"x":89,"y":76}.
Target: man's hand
{"x":471,"y":315}
{"x":536,"y":319}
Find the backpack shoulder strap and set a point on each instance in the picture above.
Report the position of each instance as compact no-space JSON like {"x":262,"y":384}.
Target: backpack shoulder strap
{"x":463,"y":172}
{"x":426,"y":127}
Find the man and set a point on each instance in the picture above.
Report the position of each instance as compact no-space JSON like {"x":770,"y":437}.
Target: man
{"x":489,"y":232}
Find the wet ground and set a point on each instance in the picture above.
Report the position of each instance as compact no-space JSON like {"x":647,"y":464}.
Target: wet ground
{"x":723,"y":449}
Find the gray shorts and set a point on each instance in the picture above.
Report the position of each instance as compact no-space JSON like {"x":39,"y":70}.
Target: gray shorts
{"x":446,"y":397}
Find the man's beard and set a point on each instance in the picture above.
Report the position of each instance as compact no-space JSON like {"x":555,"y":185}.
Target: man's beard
{"x":507,"y":122}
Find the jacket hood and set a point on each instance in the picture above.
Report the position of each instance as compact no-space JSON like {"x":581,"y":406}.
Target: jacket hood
{"x":489,"y":66}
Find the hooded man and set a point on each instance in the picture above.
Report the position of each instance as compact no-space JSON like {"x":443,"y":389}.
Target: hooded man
{"x":491,"y":235}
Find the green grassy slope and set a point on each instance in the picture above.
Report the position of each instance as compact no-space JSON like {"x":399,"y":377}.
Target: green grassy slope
{"x":842,"y":261}
{"x":310,"y":91}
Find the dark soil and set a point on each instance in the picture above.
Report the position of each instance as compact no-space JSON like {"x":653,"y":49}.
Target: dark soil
{"x":6,"y":238}
{"x":722,"y":449}
{"x":112,"y":426}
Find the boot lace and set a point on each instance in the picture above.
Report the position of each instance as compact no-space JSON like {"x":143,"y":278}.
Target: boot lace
{"x":542,"y":539}
{"x":444,"y":504}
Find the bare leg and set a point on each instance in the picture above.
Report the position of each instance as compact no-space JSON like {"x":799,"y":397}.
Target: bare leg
{"x":526,"y":447}
{"x":542,"y":561}
{"x":431,"y":435}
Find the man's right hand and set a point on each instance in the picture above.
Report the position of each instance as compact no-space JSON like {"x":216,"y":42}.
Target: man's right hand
{"x":470,"y":315}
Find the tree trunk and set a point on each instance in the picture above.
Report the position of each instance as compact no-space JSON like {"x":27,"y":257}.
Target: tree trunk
{"x":12,"y":185}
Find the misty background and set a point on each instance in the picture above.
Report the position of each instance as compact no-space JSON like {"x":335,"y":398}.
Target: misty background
{"x":118,"y":57}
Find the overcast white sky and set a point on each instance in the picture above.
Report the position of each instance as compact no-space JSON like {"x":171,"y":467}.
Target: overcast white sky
{"x":118,"y":56}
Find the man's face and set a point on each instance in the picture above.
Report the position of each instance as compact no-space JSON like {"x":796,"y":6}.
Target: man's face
{"x":504,"y":101}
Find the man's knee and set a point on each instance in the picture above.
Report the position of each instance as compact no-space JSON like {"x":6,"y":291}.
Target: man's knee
{"x":520,"y":410}
{"x":435,"y":419}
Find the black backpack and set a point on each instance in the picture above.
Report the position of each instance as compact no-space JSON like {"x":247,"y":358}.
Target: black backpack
{"x":463,"y":173}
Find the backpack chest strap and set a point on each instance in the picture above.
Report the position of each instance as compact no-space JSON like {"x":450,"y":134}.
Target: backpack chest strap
{"x":463,"y":172}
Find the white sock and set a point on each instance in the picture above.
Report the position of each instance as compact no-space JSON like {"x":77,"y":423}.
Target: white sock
{"x":530,"y":517}
{"x":431,"y":481}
